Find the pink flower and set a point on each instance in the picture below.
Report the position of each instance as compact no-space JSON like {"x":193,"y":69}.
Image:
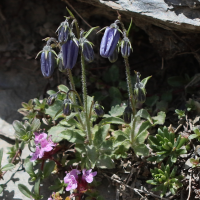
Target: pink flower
{"x":71,"y":179}
{"x":43,"y":144}
{"x":88,"y":175}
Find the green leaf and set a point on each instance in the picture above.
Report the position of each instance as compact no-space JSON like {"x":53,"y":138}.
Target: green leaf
{"x":1,"y":156}
{"x":151,"y":101}
{"x":7,"y":167}
{"x":176,"y":81}
{"x":35,"y":125}
{"x":161,"y":106}
{"x":160,"y":118}
{"x":193,"y":136}
{"x":117,"y":111}
{"x":18,"y":126}
{"x":53,"y":110}
{"x":50,"y":92}
{"x":1,"y":188}
{"x":144,"y":114}
{"x":55,"y":133}
{"x":92,"y":154}
{"x":72,"y":136}
{"x":25,"y":191}
{"x":144,"y":81}
{"x":37,"y":187}
{"x":152,"y":182}
{"x":141,"y":150}
{"x":115,"y":93}
{"x":112,"y":120}
{"x":119,"y":140}
{"x":89,"y":103}
{"x":29,"y":168}
{"x":105,"y":162}
{"x":140,"y":138}
{"x":48,"y":168}
{"x":129,"y":28}
{"x":63,"y":88}
{"x":88,"y":33}
{"x":100,"y":135}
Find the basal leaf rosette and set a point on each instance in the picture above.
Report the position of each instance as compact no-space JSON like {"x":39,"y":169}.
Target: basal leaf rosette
{"x":166,"y":144}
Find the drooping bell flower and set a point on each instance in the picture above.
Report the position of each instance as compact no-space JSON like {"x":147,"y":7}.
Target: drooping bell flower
{"x":70,"y":52}
{"x":140,"y":91}
{"x":51,"y":99}
{"x":67,"y":107}
{"x":126,"y":47}
{"x":98,"y":110}
{"x":47,"y":61}
{"x":127,"y":114}
{"x":63,"y":32}
{"x":109,"y":41}
{"x":60,"y":62}
{"x":113,"y":58}
{"x":88,"y":52}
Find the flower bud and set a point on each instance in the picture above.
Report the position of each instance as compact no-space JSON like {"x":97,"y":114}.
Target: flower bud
{"x":127,"y":114}
{"x":140,"y":91}
{"x":88,"y":52}
{"x":109,"y":41}
{"x":70,"y":53}
{"x":113,"y":58}
{"x":51,"y":99}
{"x":67,"y":107}
{"x":63,"y":32}
{"x":125,"y":47}
{"x":47,"y":61}
{"x":98,"y":110}
{"x":60,"y":62}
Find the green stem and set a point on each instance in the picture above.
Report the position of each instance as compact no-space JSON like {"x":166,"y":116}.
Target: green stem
{"x":84,"y":87}
{"x":72,"y":86}
{"x":129,"y":85}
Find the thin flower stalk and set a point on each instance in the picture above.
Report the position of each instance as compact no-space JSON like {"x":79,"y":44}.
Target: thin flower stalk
{"x":72,"y":86}
{"x":84,"y":88}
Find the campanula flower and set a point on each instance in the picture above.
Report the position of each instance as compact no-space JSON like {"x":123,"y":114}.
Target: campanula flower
{"x":98,"y":110}
{"x":67,"y":107}
{"x":63,"y":32}
{"x":127,"y":114}
{"x":126,"y":47}
{"x":47,"y":61}
{"x":113,"y":58}
{"x":70,"y":53}
{"x":87,"y":175}
{"x":140,"y":91}
{"x":51,"y":99}
{"x":88,"y":52}
{"x":59,"y":61}
{"x":43,"y":144}
{"x":109,"y":41}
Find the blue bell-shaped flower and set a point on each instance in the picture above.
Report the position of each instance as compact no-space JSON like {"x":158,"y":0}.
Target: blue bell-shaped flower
{"x":126,"y":47}
{"x":109,"y":41}
{"x":70,"y":52}
{"x":88,"y":52}
{"x":67,"y":107}
{"x":113,"y":58}
{"x":47,"y":61}
{"x":63,"y":32}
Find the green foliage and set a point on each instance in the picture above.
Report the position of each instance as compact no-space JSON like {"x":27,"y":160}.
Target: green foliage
{"x":181,"y":113}
{"x":196,"y":134}
{"x":165,"y":180}
{"x":166,"y":144}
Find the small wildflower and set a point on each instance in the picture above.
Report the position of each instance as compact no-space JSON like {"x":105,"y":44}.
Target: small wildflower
{"x":43,"y":144}
{"x":71,"y":179}
{"x":88,"y":175}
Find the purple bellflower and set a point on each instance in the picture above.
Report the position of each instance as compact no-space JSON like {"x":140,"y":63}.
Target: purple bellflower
{"x":126,"y":47}
{"x":70,"y":53}
{"x":113,"y":58}
{"x":63,"y":32}
{"x":109,"y":41}
{"x":43,"y":144}
{"x":88,"y":51}
{"x":47,"y":61}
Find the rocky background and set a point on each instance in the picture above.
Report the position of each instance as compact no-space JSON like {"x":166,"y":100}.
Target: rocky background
{"x":165,"y":39}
